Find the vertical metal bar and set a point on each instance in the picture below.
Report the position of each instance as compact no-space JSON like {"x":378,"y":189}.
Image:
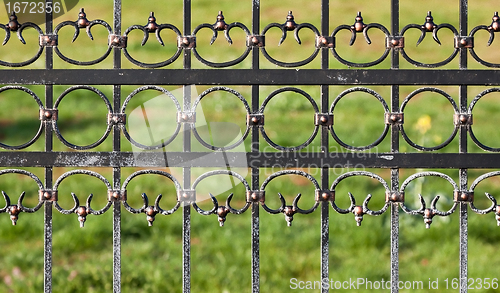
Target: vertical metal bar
{"x":325,"y":178}
{"x":395,"y":149}
{"x":255,"y":148}
{"x":463,"y":149}
{"x":186,"y":208}
{"x":117,"y":16}
{"x":49,"y":93}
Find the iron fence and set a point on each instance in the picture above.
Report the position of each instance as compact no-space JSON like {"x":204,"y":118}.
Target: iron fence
{"x":255,"y":48}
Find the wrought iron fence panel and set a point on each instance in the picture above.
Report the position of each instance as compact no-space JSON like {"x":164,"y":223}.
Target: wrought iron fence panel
{"x":156,"y":76}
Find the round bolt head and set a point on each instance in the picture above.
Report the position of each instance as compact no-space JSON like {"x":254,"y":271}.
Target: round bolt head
{"x":185,"y":41}
{"x":81,"y":211}
{"x":150,"y":211}
{"x":255,"y":119}
{"x":463,"y":41}
{"x":288,"y":211}
{"x":255,"y":40}
{"x":255,"y":196}
{"x":358,"y":27}
{"x":463,"y":118}
{"x":464,"y":196}
{"x":222,"y":211}
{"x":47,"y":114}
{"x":325,"y":196}
{"x":14,"y":210}
{"x":395,"y":42}
{"x":358,"y":210}
{"x":324,"y":119}
{"x":394,"y":197}
{"x":46,"y":195}
{"x":394,"y":118}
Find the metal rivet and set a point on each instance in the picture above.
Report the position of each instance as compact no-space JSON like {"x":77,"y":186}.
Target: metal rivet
{"x":358,"y":210}
{"x":150,"y":211}
{"x":289,"y":211}
{"x":463,"y":41}
{"x":394,"y":118}
{"x":323,"y":119}
{"x":14,"y":210}
{"x":395,"y":42}
{"x":464,"y":196}
{"x":81,"y":211}
{"x":463,"y":118}
{"x":255,"y":120}
{"x":325,"y":196}
{"x":46,"y":195}
{"x":47,"y":114}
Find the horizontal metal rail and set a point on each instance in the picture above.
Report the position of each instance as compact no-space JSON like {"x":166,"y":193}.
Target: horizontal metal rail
{"x":250,"y":76}
{"x":251,"y":160}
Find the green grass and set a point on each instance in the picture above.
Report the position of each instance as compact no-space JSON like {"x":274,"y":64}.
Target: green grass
{"x":221,"y":257}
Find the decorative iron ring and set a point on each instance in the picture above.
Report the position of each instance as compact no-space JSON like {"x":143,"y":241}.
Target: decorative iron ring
{"x":152,"y":27}
{"x":429,"y":26}
{"x":82,"y":22}
{"x":21,"y":197}
{"x":228,"y":201}
{"x":108,"y":106}
{"x":220,"y":25}
{"x":40,"y":106}
{"x":428,"y":214}
{"x":359,"y":210}
{"x":290,"y":25}
{"x":75,"y":199}
{"x":14,"y":25}
{"x":386,"y":109}
{"x":471,"y":107}
{"x":177,"y":106}
{"x":358,"y":27}
{"x":295,"y":202}
{"x":494,"y":27}
{"x":316,"y":127}
{"x":491,"y":198}
{"x":198,"y":100}
{"x":455,"y":109}
{"x":156,"y":207}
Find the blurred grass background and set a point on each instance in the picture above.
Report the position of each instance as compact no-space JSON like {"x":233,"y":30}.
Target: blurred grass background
{"x":221,"y":258}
